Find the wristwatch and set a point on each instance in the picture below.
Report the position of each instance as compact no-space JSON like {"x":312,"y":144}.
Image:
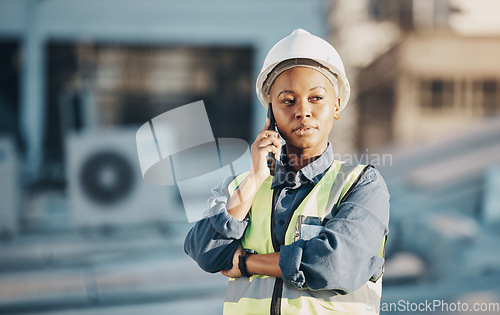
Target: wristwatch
{"x":242,"y":261}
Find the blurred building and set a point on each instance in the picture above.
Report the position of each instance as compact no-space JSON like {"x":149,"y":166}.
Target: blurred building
{"x":105,"y":63}
{"x":425,"y":83}
{"x":426,"y":87}
{"x":71,"y":69}
{"x":77,"y":79}
{"x":416,"y":77}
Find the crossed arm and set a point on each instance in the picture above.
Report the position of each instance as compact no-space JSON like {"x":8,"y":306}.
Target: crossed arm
{"x":257,"y":264}
{"x":342,"y":257}
{"x":238,"y":206}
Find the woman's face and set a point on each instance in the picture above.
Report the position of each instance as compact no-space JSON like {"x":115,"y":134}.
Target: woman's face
{"x":304,"y":105}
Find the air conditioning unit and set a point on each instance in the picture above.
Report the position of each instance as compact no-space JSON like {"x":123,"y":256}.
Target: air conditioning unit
{"x":106,"y":186}
{"x":9,"y":189}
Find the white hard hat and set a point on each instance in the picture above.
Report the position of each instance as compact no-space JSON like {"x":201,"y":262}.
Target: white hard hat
{"x":302,"y":45}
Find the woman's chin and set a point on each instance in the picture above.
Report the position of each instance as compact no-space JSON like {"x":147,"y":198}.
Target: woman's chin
{"x":304,"y":143}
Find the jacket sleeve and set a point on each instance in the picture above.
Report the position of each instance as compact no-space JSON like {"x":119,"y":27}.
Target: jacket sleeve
{"x":212,"y":241}
{"x":344,"y":255}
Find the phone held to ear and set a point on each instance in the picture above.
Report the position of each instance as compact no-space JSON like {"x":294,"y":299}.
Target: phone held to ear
{"x":271,"y":160}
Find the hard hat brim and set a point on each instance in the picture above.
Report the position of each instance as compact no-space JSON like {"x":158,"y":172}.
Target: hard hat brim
{"x":343,"y":88}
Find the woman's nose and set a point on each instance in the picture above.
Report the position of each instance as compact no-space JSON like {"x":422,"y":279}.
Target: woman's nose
{"x":303,"y":109}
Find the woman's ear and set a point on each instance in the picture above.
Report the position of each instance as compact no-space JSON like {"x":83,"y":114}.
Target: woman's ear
{"x":336,"y":113}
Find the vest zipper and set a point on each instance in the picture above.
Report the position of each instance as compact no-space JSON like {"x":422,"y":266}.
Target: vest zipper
{"x":278,"y":284}
{"x":276,"y":298}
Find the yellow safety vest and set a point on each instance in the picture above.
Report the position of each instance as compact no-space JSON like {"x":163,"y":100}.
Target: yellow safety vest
{"x":268,"y":295}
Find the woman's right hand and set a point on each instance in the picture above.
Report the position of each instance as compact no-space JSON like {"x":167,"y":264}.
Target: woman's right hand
{"x":267,"y":141}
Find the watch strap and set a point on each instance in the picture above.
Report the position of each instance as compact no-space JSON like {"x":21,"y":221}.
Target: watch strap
{"x":242,"y":262}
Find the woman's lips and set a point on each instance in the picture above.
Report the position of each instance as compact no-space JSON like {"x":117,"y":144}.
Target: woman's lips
{"x":304,"y":129}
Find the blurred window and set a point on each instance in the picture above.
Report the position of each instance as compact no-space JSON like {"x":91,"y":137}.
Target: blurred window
{"x":437,"y":95}
{"x":399,"y":11}
{"x":490,"y":97}
{"x":412,"y":14}
{"x":92,"y":85}
{"x":9,"y":89}
{"x":486,"y":97}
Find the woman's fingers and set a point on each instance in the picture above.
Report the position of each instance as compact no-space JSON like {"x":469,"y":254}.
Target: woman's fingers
{"x":267,"y":133}
{"x":271,"y":145}
{"x":274,"y":141}
{"x":277,"y":152}
{"x":267,"y":124}
{"x":267,"y":141}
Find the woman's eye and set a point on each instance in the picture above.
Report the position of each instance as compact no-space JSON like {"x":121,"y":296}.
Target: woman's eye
{"x":316,"y":98}
{"x":287,"y":101}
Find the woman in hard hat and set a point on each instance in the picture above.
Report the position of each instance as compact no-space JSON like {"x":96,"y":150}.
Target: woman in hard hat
{"x":308,"y":239}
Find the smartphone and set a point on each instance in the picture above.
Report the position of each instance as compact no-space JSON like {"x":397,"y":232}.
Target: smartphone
{"x":271,"y":160}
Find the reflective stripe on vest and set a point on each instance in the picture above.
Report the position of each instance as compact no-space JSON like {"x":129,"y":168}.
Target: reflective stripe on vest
{"x":254,"y":295}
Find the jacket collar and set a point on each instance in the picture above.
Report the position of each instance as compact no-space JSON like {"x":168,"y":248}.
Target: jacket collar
{"x":311,"y":173}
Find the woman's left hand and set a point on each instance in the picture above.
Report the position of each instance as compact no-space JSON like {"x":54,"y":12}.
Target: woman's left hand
{"x":235,"y":271}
